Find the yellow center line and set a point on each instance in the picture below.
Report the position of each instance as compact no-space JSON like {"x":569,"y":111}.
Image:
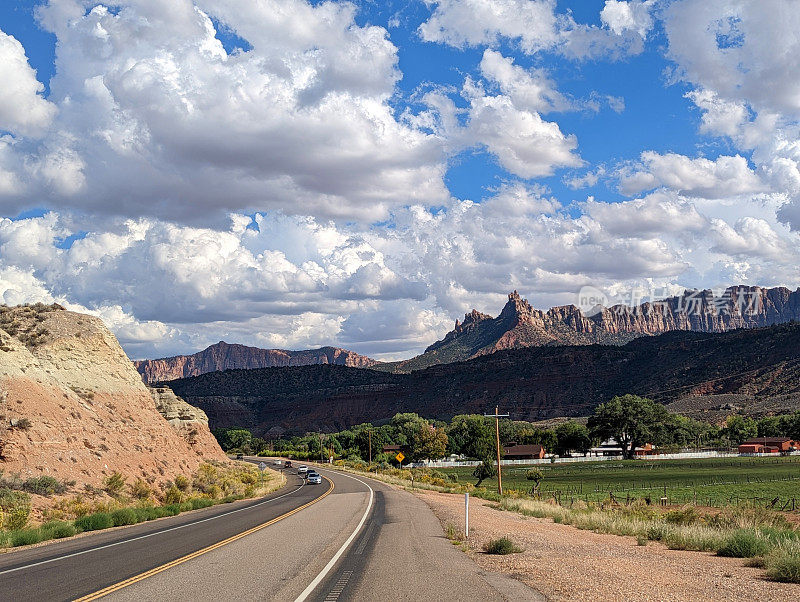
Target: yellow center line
{"x":136,"y":578}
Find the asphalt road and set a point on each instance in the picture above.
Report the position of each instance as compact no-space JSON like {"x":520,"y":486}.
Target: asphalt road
{"x":69,"y":569}
{"x":362,"y":541}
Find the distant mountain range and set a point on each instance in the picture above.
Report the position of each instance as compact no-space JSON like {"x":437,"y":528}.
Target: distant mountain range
{"x":223,"y":356}
{"x":519,"y":325}
{"x":757,"y":368}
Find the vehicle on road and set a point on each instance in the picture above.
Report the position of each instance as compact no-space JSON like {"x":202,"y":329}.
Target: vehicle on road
{"x":288,"y":463}
{"x":302,"y":469}
{"x":277,"y":462}
{"x":314,"y":479}
{"x":239,"y":456}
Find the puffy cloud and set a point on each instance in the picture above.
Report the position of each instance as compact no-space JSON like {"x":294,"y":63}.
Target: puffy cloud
{"x":155,"y":114}
{"x":723,"y":177}
{"x":530,"y":90}
{"x":23,"y":110}
{"x":463,"y":23}
{"x":536,"y":27}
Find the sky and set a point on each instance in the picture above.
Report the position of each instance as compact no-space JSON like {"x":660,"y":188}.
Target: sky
{"x":292,"y":174}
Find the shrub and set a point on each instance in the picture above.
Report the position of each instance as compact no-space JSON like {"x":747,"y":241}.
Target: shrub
{"x":641,"y":540}
{"x":26,"y":537}
{"x":182,"y":482}
{"x":201,"y":502}
{"x":58,"y":529}
{"x":173,"y":495}
{"x":114,"y":483}
{"x":784,"y":565}
{"x":95,"y":522}
{"x":16,"y":508}
{"x":502,"y":546}
{"x":140,"y":490}
{"x":687,"y":515}
{"x":23,"y":424}
{"x":145,"y":513}
{"x":124,"y":516}
{"x":744,"y":544}
{"x":171,"y":509}
{"x":44,"y":485}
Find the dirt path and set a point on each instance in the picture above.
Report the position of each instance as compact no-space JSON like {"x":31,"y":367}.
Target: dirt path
{"x":565,"y":563}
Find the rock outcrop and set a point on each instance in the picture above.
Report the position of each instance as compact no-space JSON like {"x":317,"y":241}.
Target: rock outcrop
{"x":72,"y":405}
{"x":759,"y":367}
{"x":189,"y":421}
{"x":223,"y":356}
{"x":520,"y":325}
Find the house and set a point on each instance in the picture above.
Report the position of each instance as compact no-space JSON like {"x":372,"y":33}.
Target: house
{"x":512,"y":451}
{"x":610,"y":447}
{"x":768,"y":445}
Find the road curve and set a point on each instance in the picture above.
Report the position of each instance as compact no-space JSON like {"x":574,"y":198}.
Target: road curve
{"x":70,"y":569}
{"x":332,"y":551}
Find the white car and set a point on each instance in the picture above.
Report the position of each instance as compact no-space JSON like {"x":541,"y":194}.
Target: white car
{"x":315,"y":479}
{"x":302,"y":469}
{"x":277,"y":462}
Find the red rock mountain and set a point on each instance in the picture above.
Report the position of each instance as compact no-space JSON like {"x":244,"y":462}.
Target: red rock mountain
{"x":223,"y":356}
{"x":519,"y":325}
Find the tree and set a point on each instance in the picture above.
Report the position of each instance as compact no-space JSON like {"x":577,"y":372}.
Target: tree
{"x":471,"y":435}
{"x":428,"y":443}
{"x":631,"y":420}
{"x":572,"y":436}
{"x":740,"y":428}
{"x":537,"y":476}
{"x":233,"y":438}
{"x":484,"y":470}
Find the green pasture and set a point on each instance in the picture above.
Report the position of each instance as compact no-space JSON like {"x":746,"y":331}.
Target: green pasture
{"x":706,"y":481}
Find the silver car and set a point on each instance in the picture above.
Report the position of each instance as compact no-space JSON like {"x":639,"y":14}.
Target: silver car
{"x":314,"y":479}
{"x":302,"y":469}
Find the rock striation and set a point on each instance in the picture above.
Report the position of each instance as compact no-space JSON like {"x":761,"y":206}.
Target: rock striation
{"x":72,"y":405}
{"x":223,"y":356}
{"x":520,"y":325}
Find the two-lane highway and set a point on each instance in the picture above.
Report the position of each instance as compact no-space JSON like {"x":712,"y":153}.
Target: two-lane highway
{"x":351,"y":538}
{"x":70,"y":569}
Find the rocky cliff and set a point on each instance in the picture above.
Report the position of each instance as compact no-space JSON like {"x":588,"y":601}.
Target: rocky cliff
{"x":760,"y":367}
{"x":73,"y":406}
{"x":223,"y":356}
{"x":520,"y":325}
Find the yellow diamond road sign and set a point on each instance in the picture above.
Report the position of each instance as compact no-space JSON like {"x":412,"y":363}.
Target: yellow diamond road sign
{"x":400,"y":457}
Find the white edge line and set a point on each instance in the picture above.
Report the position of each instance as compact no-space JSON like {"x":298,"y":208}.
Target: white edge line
{"x":124,"y":541}
{"x":324,"y":572}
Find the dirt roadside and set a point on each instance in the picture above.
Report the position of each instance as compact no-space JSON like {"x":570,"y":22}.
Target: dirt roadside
{"x":565,"y":563}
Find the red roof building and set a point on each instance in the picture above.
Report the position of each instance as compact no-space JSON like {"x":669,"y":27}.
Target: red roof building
{"x":512,"y":451}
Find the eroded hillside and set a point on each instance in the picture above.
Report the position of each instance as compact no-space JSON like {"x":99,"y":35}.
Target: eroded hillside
{"x":73,"y":406}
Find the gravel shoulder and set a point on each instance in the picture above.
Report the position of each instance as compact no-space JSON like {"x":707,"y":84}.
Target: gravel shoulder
{"x":565,"y":563}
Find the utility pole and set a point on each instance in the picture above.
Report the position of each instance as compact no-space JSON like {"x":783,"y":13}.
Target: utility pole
{"x":369,"y":434}
{"x":497,"y":416}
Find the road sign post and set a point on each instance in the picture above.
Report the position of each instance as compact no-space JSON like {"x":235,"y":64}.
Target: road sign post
{"x":466,"y":515}
{"x":400,"y":457}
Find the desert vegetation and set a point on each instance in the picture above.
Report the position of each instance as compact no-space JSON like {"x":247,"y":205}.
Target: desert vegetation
{"x":119,"y":502}
{"x":24,"y":322}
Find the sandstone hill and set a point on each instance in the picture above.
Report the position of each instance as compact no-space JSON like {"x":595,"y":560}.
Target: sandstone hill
{"x":519,"y":325}
{"x":223,"y":356}
{"x":760,"y":367}
{"x":72,"y":405}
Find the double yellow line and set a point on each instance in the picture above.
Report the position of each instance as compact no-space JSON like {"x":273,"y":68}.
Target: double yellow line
{"x":140,"y":577}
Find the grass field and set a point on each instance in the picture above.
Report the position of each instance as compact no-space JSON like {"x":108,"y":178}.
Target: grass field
{"x":706,"y":481}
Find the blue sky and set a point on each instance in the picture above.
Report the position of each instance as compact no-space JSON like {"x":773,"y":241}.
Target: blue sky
{"x":292,"y":174}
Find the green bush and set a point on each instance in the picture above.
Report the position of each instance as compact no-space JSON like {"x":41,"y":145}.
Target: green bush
{"x":44,"y":485}
{"x":687,"y":515}
{"x":124,"y":516}
{"x":95,"y":522}
{"x":58,"y":529}
{"x":502,"y":546}
{"x":114,"y":484}
{"x":171,"y":509}
{"x":172,"y":496}
{"x":744,"y":543}
{"x":26,"y":537}
{"x":140,"y":490}
{"x":201,"y":502}
{"x":784,"y":566}
{"x":182,"y":482}
{"x":16,"y":508}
